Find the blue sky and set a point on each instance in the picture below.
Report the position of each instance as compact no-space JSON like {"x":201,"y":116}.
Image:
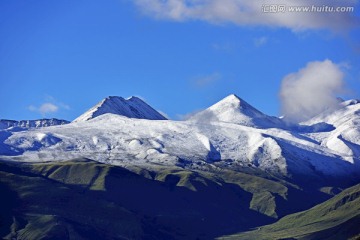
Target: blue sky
{"x":59,"y":58}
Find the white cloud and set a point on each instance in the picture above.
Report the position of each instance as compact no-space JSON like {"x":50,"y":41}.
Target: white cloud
{"x":44,"y":109}
{"x":311,"y":90}
{"x":204,"y":81}
{"x":48,"y":108}
{"x":187,"y":116}
{"x":245,"y":13}
{"x":50,"y":105}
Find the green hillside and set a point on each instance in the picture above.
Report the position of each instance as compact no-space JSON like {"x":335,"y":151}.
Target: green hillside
{"x":337,"y":218}
{"x":83,"y":199}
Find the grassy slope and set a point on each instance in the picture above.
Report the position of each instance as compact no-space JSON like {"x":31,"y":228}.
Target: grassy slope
{"x":42,"y":208}
{"x":83,"y":199}
{"x":337,"y":218}
{"x":269,"y":195}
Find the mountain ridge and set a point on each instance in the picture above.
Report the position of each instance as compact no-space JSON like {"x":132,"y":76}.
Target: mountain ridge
{"x":132,"y":107}
{"x":198,"y":143}
{"x":44,"y":122}
{"x":203,"y":178}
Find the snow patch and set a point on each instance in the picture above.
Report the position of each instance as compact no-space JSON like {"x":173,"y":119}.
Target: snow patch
{"x":95,"y":140}
{"x":135,"y":144}
{"x":204,"y":140}
{"x":40,"y":136}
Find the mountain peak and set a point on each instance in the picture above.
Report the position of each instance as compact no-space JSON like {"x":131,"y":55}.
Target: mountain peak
{"x":233,"y":109}
{"x":232,"y":97}
{"x":233,"y":101}
{"x":132,"y":107}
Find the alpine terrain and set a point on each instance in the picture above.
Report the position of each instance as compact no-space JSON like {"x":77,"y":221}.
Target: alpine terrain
{"x":31,"y":123}
{"x":122,"y":170}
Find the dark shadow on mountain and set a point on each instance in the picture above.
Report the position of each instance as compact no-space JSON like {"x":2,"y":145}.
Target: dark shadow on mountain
{"x":317,"y":127}
{"x":299,"y":200}
{"x":129,"y":206}
{"x":269,"y":122}
{"x":355,"y":148}
{"x":16,"y":129}
{"x":54,"y":210}
{"x":304,"y":173}
{"x":346,"y":230}
{"x":213,"y":155}
{"x":210,"y":211}
{"x":299,"y":136}
{"x":9,"y":202}
{"x":83,"y":199}
{"x":6,"y":149}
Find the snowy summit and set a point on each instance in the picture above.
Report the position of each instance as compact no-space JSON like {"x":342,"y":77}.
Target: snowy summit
{"x":233,"y":109}
{"x":229,"y":134}
{"x":132,"y":107}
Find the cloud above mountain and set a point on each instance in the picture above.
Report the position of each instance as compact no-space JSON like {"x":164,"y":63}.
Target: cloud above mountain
{"x":44,"y":109}
{"x":49,"y":105}
{"x":257,"y":13}
{"x":311,"y":90}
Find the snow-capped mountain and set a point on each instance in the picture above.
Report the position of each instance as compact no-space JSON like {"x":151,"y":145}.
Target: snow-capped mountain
{"x":4,"y":123}
{"x":345,"y":136}
{"x":132,"y":107}
{"x":233,"y":109}
{"x":238,"y":135}
{"x":344,"y":112}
